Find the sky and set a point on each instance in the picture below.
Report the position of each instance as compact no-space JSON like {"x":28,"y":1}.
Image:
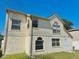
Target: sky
{"x":66,"y":9}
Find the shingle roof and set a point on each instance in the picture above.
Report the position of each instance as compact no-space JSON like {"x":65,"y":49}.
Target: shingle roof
{"x":15,"y":12}
{"x":71,"y":30}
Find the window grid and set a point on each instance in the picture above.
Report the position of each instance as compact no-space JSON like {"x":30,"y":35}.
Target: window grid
{"x":15,"y":24}
{"x":56,"y":28}
{"x":39,"y":44}
{"x":34,"y":23}
{"x":55,"y":42}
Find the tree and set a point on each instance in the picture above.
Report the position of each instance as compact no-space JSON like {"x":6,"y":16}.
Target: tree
{"x":67,"y":24}
{"x":1,"y":37}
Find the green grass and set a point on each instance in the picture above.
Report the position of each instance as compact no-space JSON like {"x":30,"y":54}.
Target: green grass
{"x":16,"y":56}
{"x":60,"y":55}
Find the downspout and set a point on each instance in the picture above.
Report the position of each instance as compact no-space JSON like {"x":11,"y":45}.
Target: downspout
{"x":31,"y":39}
{"x":6,"y":32}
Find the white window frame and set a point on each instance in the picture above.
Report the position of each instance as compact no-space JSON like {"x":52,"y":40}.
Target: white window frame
{"x":56,"y":28}
{"x":55,"y":42}
{"x":16,"y":26}
{"x":39,"y":39}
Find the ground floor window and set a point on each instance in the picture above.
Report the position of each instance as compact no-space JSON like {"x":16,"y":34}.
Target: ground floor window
{"x":55,"y":42}
{"x":39,"y":43}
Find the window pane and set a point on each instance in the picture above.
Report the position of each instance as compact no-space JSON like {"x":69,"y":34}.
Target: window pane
{"x":57,"y":39}
{"x":16,"y":24}
{"x":39,"y":44}
{"x":34,"y":23}
{"x":16,"y":21}
{"x":56,"y":25}
{"x":55,"y":42}
{"x":16,"y":27}
{"x":57,"y":31}
{"x":58,"y":44}
{"x":56,"y":28}
{"x":54,"y":31}
{"x":39,"y":47}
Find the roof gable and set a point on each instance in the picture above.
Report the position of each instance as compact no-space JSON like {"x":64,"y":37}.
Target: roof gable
{"x":56,"y":16}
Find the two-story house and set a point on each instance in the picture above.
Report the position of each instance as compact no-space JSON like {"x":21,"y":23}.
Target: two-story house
{"x":35,"y":35}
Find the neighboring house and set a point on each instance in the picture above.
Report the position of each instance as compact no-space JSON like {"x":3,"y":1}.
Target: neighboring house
{"x":35,"y":35}
{"x":0,"y":43}
{"x":1,"y":40}
{"x":75,"y":34}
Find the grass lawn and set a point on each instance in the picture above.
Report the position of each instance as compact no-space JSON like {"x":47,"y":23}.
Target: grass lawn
{"x":16,"y":56}
{"x":60,"y":55}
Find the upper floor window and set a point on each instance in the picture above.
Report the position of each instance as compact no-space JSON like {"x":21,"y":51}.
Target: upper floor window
{"x":56,"y":31}
{"x":16,"y":24}
{"x":39,"y":43}
{"x":55,"y":42}
{"x":56,"y":25}
{"x":34,"y":23}
{"x":56,"y":28}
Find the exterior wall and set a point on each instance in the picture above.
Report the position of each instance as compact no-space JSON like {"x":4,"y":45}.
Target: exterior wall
{"x":68,"y":43}
{"x":16,"y":39}
{"x":47,"y":46}
{"x":47,"y":35}
{"x":5,"y":35}
{"x":75,"y":35}
{"x":76,"y":45}
{"x":15,"y":45}
{"x":75,"y":39}
{"x":66,"y":38}
{"x":28,"y":36}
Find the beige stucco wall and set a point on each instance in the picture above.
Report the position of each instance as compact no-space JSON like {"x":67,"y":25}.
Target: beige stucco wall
{"x":66,"y":38}
{"x":75,"y":35}
{"x":17,"y":39}
{"x":28,"y":37}
{"x":64,"y":35}
{"x":69,"y":45}
{"x":47,"y":35}
{"x":75,"y":39}
{"x":15,"y":45}
{"x":47,"y":44}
